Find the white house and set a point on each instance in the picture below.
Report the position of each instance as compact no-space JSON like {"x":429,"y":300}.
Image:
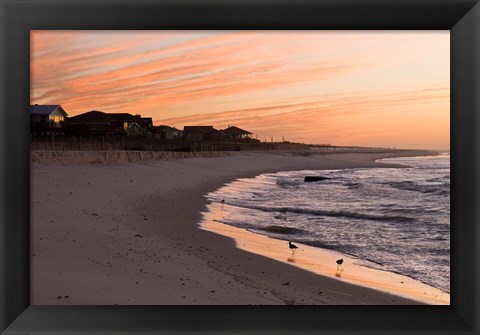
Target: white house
{"x":47,"y":120}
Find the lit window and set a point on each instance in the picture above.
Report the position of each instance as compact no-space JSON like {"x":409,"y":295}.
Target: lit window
{"x":56,"y":119}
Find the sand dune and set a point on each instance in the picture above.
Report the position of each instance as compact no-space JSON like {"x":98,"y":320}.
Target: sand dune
{"x":106,"y":157}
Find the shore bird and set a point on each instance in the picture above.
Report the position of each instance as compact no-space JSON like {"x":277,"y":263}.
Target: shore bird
{"x":292,"y":247}
{"x":339,"y":263}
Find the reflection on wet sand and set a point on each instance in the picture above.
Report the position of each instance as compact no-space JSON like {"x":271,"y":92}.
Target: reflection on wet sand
{"x":321,"y":261}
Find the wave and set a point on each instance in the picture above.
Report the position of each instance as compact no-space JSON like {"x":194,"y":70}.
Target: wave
{"x":394,"y":220}
{"x":442,"y":189}
{"x":282,"y":230}
{"x":345,"y":214}
{"x":353,"y":185}
{"x":287,"y":182}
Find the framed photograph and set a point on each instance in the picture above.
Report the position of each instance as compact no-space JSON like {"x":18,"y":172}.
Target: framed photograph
{"x":195,"y":167}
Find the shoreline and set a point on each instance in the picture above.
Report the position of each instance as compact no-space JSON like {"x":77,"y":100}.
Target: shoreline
{"x":137,"y":241}
{"x":314,"y":259}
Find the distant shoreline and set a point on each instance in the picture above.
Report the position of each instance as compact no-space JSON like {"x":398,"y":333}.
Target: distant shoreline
{"x":114,"y":231}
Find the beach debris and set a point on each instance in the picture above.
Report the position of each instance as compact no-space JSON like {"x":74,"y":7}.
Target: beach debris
{"x":281,"y":230}
{"x":286,"y":283}
{"x":315,"y":178}
{"x":138,"y":235}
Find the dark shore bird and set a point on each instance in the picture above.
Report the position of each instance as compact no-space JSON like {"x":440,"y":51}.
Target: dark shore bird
{"x":339,"y":263}
{"x":292,"y":247}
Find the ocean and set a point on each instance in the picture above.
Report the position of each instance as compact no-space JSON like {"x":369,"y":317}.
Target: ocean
{"x":393,"y":219}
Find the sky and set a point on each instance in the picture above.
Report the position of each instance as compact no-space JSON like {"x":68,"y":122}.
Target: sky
{"x":361,"y":88}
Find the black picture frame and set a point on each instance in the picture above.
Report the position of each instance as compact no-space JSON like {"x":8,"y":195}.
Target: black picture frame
{"x":18,"y":17}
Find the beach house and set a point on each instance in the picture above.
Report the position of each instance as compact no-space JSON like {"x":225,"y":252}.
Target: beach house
{"x":146,"y":122}
{"x":127,"y":124}
{"x":100,"y":123}
{"x":166,"y":132}
{"x":47,"y":120}
{"x":92,"y":123}
{"x":235,"y":133}
{"x":200,"y":133}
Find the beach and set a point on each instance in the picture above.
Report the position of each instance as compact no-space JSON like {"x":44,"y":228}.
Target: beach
{"x":124,"y":228}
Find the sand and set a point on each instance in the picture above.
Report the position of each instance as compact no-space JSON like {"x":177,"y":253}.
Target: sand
{"x":107,"y":232}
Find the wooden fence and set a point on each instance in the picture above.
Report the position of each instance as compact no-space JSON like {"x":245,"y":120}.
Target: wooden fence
{"x":149,"y":144}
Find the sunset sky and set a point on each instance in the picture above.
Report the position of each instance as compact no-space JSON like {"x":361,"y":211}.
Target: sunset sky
{"x":363,"y":88}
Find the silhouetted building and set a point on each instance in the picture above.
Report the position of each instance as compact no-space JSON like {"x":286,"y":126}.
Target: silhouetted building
{"x":47,"y":120}
{"x":166,"y":132}
{"x":91,"y":123}
{"x":127,"y":124}
{"x":100,"y":123}
{"x":146,"y":123}
{"x":235,"y":133}
{"x":200,"y":133}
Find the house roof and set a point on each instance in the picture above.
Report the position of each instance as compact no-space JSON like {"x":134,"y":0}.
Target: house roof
{"x":125,"y":117}
{"x":105,"y":117}
{"x":164,"y":128}
{"x":46,"y":109}
{"x":235,"y":131}
{"x":199,"y":129}
{"x":91,"y":117}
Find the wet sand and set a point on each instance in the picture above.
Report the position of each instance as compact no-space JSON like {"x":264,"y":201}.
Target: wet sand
{"x":323,"y":261}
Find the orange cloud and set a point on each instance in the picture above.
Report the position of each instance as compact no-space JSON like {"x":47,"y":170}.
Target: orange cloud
{"x":343,"y":119}
{"x":275,"y":83}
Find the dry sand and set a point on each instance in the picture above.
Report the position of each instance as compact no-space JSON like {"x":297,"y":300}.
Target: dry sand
{"x":128,"y":233}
